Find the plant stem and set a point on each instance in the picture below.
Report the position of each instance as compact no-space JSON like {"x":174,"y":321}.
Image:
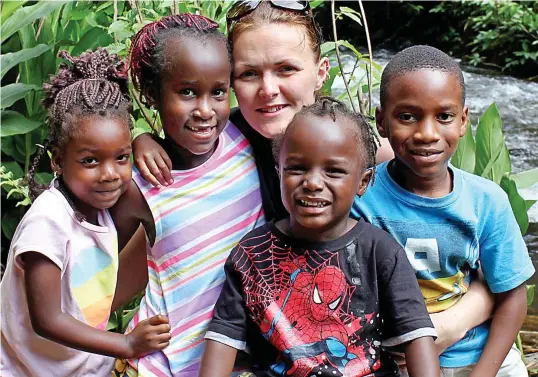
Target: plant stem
{"x":28,"y":149}
{"x":115,"y":18}
{"x":135,"y":95}
{"x":370,"y":80}
{"x":339,"y":59}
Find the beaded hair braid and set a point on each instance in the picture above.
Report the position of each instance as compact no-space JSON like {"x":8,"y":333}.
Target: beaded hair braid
{"x":328,"y":106}
{"x":147,"y":58}
{"x":95,"y":83}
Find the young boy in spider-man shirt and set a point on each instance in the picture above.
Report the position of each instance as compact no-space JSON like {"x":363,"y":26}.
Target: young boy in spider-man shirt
{"x":320,"y":293}
{"x":448,"y":221}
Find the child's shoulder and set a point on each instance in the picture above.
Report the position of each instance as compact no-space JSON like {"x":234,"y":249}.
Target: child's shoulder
{"x":375,"y":238}
{"x":480,"y":192}
{"x":478,"y":184}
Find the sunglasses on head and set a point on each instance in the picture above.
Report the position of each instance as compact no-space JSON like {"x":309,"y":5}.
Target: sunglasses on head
{"x":241,"y":8}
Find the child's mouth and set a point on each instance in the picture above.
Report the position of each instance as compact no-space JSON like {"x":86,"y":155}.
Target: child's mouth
{"x":201,"y":131}
{"x":271,"y":109}
{"x":313,"y":204}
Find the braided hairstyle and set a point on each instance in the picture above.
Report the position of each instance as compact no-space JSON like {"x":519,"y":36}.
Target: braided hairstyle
{"x":147,"y":56}
{"x":367,"y":139}
{"x":95,"y":83}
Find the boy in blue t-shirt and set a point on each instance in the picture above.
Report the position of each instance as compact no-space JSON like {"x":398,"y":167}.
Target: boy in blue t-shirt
{"x":448,"y":221}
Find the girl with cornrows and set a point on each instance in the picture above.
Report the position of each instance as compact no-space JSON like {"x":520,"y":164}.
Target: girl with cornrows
{"x":59,"y":286}
{"x":277,"y":69}
{"x":181,"y":66}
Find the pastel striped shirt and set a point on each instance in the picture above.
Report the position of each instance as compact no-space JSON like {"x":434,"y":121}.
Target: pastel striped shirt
{"x":198,"y":221}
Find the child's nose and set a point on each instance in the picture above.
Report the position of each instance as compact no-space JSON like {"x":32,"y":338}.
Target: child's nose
{"x":428,"y":131}
{"x":203,"y":109}
{"x":313,"y":182}
{"x":109,"y":172}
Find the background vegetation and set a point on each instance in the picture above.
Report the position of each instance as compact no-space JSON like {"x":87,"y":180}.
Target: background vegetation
{"x":34,"y":32}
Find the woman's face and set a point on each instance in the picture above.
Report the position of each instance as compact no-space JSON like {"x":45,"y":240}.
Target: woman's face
{"x":275,"y":75}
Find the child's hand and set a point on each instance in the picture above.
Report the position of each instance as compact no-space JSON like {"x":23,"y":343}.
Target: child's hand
{"x":152,"y":161}
{"x":150,"y":335}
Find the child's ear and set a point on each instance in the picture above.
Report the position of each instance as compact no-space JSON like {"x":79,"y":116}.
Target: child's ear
{"x":464,"y":120}
{"x":151,"y":97}
{"x":56,"y":161}
{"x":379,"y":118}
{"x":365,"y":181}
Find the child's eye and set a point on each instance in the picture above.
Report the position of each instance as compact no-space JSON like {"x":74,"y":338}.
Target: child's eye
{"x":294,"y":169}
{"x":123,"y":158}
{"x":219,"y":92}
{"x":89,"y":161}
{"x":445,"y":117}
{"x":407,"y":117}
{"x":336,"y":172}
{"x":187,"y":92}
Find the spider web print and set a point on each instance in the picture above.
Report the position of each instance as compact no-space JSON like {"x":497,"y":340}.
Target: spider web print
{"x":266,"y":266}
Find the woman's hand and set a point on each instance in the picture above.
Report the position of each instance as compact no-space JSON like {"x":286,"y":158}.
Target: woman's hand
{"x":150,"y":335}
{"x":152,"y":161}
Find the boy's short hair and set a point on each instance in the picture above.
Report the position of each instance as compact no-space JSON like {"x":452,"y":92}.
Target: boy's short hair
{"x":416,"y":58}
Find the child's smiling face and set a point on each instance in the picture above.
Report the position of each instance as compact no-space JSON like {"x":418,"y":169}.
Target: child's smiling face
{"x":94,"y":164}
{"x":321,"y":170}
{"x":194,"y":96}
{"x":423,"y":118}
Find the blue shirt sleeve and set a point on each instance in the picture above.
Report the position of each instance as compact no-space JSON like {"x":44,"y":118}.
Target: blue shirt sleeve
{"x":504,"y":257}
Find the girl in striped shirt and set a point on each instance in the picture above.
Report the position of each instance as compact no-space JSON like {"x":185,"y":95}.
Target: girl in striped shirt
{"x":181,"y":66}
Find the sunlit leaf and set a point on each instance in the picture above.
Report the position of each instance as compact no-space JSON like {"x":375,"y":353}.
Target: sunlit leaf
{"x":492,"y":156}
{"x":526,"y":179}
{"x":13,"y":167}
{"x":351,"y":13}
{"x":464,"y":157}
{"x":8,"y":7}
{"x":26,"y":15}
{"x":530,"y":294}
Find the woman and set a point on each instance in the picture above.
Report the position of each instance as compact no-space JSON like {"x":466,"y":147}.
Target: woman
{"x":278,"y":68}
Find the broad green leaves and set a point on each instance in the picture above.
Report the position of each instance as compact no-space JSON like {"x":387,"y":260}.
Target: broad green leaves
{"x":13,"y":92}
{"x":487,"y":155}
{"x":10,"y":60}
{"x":14,"y":123}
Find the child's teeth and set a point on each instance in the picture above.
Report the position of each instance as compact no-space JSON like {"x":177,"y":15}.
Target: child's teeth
{"x":313,"y":204}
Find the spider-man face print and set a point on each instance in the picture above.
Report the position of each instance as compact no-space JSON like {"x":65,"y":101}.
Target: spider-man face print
{"x":328,"y":293}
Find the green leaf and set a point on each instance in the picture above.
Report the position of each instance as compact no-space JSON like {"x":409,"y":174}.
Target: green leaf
{"x":351,"y":13}
{"x":10,"y":220}
{"x":14,"y":123}
{"x":519,"y":207}
{"x":92,"y":39}
{"x":464,"y":157}
{"x":327,"y":48}
{"x":43,"y":178}
{"x":8,"y":7}
{"x":15,"y":168}
{"x":8,"y":61}
{"x":327,"y":86}
{"x":530,"y":294}
{"x":26,"y":15}
{"x":121,"y":28}
{"x":315,"y":3}
{"x":492,"y":156}
{"x":8,"y":146}
{"x":128,"y":316}
{"x":13,"y":92}
{"x":351,"y":47}
{"x":529,"y":204}
{"x":526,"y":178}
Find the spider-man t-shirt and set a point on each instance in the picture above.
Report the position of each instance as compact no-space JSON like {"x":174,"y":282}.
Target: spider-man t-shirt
{"x":305,"y":308}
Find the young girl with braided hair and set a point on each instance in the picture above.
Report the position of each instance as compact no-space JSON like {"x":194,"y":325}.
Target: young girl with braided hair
{"x":181,"y":66}
{"x":61,"y":284}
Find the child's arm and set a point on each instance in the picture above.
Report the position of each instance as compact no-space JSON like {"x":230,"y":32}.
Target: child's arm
{"x":43,"y":291}
{"x":422,"y":360}
{"x":474,"y":308}
{"x":510,"y":312}
{"x":152,"y":160}
{"x":218,"y":360}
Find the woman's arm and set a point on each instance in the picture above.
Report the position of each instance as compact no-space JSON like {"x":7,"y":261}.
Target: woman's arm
{"x":43,"y":291}
{"x":474,"y":308}
{"x":218,"y":360}
{"x":422,"y":360}
{"x":152,"y":160}
{"x":510,"y":312}
{"x":133,"y":270}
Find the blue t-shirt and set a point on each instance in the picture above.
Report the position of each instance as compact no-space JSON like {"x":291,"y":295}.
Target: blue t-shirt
{"x":444,"y":238}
